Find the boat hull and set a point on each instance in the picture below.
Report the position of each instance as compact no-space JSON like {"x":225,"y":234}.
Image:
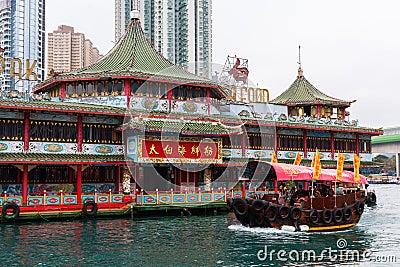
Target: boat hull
{"x":314,"y":215}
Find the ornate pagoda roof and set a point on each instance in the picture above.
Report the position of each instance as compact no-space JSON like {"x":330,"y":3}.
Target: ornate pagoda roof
{"x":133,"y":56}
{"x":301,"y":92}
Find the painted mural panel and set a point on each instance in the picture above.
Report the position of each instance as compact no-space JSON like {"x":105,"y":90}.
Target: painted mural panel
{"x":11,"y":146}
{"x":113,"y":101}
{"x":11,"y":115}
{"x":150,"y":104}
{"x":258,"y":154}
{"x":190,"y":107}
{"x":102,"y":149}
{"x":101,"y":120}
{"x":52,"y":147}
{"x":231,"y":153}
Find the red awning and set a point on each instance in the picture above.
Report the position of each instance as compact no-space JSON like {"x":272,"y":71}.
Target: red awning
{"x":287,"y":172}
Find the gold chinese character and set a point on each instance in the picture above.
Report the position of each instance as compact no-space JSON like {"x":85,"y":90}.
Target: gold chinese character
{"x":195,"y":150}
{"x":182,"y":150}
{"x":208,"y":151}
{"x":153,"y":150}
{"x":168,"y":150}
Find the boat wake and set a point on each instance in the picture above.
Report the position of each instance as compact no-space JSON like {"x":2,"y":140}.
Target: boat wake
{"x":260,"y":230}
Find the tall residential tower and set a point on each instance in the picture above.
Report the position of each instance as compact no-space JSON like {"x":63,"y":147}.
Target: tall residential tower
{"x":69,"y":50}
{"x":179,"y":29}
{"x":22,"y":36}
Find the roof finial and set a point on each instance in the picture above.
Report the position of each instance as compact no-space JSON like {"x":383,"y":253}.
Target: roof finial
{"x":300,"y":70}
{"x":135,"y":11}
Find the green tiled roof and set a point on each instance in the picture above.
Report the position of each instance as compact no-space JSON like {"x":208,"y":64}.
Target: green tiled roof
{"x":42,"y":158}
{"x":302,"y":92}
{"x":133,"y":55}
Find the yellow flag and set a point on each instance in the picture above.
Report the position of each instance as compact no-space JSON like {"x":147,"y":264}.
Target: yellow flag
{"x":298,"y":159}
{"x":340,"y":164}
{"x":356,"y":168}
{"x":274,"y":158}
{"x":313,"y":162}
{"x":317,"y":166}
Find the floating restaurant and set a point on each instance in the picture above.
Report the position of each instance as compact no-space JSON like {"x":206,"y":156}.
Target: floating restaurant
{"x":135,"y":132}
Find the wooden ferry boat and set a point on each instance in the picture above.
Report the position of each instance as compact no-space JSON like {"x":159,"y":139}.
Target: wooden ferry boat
{"x":308,"y":210}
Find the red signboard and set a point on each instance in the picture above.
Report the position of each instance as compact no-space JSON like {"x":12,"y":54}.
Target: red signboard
{"x":201,"y":150}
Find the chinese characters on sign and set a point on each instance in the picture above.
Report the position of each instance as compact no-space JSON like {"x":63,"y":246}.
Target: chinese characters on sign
{"x":181,"y":150}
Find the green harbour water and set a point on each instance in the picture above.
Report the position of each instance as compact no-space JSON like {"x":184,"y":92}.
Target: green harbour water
{"x":203,"y":241}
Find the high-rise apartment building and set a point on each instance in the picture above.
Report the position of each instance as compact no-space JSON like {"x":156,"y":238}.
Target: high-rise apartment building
{"x":22,"y":43}
{"x":179,"y":29}
{"x":69,"y":50}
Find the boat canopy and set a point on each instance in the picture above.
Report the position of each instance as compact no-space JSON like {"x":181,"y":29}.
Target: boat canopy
{"x":287,"y":172}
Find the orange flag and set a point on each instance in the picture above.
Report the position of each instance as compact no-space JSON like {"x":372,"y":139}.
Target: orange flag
{"x":317,"y":166}
{"x":298,"y":159}
{"x":274,"y":158}
{"x":356,"y":168}
{"x":339,"y":169}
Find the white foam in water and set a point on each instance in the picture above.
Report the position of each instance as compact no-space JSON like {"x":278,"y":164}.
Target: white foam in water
{"x":259,"y":230}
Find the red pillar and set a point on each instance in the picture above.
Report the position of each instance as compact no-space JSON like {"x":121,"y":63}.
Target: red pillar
{"x":79,"y":183}
{"x":25,"y":175}
{"x":305,"y":143}
{"x":276,"y":186}
{"x":319,"y":111}
{"x":244,"y":141}
{"x":127,"y":91}
{"x":169,"y":95}
{"x":357,"y":144}
{"x":208,"y":100}
{"x":63,"y":91}
{"x":243,"y":189}
{"x":80,"y":128}
{"x":27,"y":126}
{"x":332,"y":145}
{"x":117,"y":178}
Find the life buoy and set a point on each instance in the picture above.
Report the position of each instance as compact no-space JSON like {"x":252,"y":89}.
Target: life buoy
{"x":314,"y":217}
{"x":295,"y":213}
{"x":327,"y":216}
{"x":240,"y":207}
{"x":271,"y":213}
{"x":359,"y":207}
{"x":90,"y":208}
{"x":347,"y":213}
{"x":5,"y":212}
{"x":338,"y":215}
{"x":258,"y":205}
{"x":284,"y":212}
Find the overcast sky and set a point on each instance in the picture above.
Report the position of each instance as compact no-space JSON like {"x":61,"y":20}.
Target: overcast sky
{"x":350,"y":48}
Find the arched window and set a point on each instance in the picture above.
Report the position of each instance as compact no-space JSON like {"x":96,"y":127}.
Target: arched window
{"x":90,"y":89}
{"x":100,"y":88}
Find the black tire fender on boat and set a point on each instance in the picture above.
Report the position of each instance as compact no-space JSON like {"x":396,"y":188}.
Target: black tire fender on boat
{"x":13,"y":215}
{"x":284,"y":212}
{"x":90,"y":208}
{"x":271,"y":213}
{"x":295,"y":213}
{"x":347,"y":214}
{"x":259,"y":219}
{"x":314,"y":217}
{"x":359,"y":207}
{"x":240,"y":206}
{"x":338,"y":215}
{"x":327,"y":216}
{"x":229,"y":202}
{"x":258,"y":205}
